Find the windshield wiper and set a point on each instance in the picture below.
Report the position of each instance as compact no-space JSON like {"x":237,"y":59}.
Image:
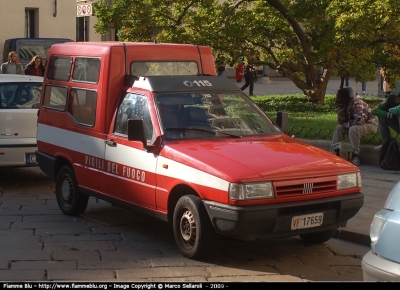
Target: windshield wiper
{"x":200,"y":129}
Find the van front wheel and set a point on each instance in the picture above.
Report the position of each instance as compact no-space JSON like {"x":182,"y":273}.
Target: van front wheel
{"x":69,"y":199}
{"x":192,"y":228}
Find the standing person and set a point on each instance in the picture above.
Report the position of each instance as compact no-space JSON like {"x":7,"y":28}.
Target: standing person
{"x":344,"y":79}
{"x":364,"y":87}
{"x":388,"y":113}
{"x":35,"y":67}
{"x":12,"y":66}
{"x":221,"y":69}
{"x":249,"y":78}
{"x":385,"y":83}
{"x":355,"y":120}
{"x":239,"y":71}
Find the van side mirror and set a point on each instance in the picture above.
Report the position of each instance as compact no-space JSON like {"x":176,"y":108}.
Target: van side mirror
{"x":136,"y":132}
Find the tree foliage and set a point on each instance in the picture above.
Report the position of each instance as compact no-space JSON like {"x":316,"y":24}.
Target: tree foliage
{"x":297,"y":38}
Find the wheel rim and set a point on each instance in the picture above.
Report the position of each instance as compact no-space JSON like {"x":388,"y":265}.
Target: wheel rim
{"x":187,"y":228}
{"x":67,"y":191}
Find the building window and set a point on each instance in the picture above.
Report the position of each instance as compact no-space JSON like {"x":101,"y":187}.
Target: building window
{"x":31,"y":18}
{"x":81,"y":29}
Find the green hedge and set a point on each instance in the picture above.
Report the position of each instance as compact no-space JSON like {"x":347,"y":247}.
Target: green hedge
{"x":299,"y":103}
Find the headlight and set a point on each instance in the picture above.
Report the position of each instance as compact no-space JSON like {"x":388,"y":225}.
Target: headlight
{"x":377,"y":224}
{"x":351,"y":180}
{"x":251,"y":190}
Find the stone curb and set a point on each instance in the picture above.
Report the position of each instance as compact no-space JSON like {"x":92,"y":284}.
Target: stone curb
{"x":368,"y":155}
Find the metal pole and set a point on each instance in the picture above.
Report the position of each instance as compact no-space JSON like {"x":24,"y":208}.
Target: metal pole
{"x":84,"y":28}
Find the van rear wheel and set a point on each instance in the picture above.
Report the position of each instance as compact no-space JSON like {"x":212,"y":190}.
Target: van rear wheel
{"x":192,"y":228}
{"x":318,"y":237}
{"x":69,"y":198}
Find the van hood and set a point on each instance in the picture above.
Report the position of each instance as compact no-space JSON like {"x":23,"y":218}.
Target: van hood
{"x":255,"y":159}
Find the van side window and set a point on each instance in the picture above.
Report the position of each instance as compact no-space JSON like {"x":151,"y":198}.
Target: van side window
{"x":59,"y":68}
{"x":133,"y":107}
{"x":86,"y":70}
{"x":55,"y":97}
{"x":82,"y":106}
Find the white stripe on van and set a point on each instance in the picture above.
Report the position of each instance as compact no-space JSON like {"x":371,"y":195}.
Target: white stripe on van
{"x":127,"y":156}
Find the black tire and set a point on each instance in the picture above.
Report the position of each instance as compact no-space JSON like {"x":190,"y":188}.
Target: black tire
{"x":69,"y":199}
{"x":192,"y":227}
{"x":318,"y":237}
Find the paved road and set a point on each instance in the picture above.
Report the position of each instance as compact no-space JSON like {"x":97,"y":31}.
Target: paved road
{"x":39,"y":243}
{"x":281,"y":85}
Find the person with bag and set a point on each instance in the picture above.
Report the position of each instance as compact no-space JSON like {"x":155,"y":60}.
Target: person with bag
{"x":388,"y":113}
{"x":35,"y":67}
{"x":355,"y":120}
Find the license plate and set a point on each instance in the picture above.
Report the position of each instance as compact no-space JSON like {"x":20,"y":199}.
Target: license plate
{"x":307,"y":221}
{"x":30,"y":158}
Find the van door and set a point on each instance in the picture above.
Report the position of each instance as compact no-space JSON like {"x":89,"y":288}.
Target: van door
{"x":130,"y":170}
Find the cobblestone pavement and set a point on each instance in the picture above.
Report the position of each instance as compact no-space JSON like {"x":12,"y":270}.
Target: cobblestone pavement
{"x":39,"y":243}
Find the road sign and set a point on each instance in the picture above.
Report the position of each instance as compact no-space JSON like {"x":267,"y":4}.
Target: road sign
{"x":83,"y":10}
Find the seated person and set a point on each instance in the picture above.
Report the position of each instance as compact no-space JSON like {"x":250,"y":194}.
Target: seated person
{"x":355,"y":120}
{"x":388,"y":113}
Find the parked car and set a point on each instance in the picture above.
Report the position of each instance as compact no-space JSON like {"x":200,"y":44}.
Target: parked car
{"x":20,"y":97}
{"x":382,"y":262}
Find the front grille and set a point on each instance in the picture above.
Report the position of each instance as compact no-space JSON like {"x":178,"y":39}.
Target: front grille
{"x":305,"y":186}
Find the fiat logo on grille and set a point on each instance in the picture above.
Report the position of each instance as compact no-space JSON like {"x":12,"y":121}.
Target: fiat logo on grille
{"x":307,"y":189}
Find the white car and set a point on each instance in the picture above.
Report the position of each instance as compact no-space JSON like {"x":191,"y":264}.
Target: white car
{"x":382,"y":263}
{"x":20,"y":98}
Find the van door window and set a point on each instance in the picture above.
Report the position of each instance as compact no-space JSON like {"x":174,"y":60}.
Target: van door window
{"x":82,"y":106}
{"x":86,"y":70}
{"x":59,"y":68}
{"x":55,"y":97}
{"x":134,"y":107}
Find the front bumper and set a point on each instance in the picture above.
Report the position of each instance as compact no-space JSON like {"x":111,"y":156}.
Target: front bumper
{"x":376,"y":268}
{"x":274,"y":220}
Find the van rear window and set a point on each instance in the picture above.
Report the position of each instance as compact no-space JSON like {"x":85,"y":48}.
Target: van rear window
{"x":164,"y":68}
{"x":59,"y":68}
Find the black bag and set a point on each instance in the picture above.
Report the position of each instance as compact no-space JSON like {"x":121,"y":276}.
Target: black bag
{"x":389,"y":157}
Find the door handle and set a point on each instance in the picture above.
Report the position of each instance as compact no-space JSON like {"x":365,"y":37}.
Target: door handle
{"x":111,"y":143}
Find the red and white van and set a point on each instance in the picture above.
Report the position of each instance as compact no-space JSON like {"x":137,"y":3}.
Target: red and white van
{"x":150,"y":127}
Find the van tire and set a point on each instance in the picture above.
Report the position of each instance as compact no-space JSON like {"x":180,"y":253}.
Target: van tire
{"x":318,"y":237}
{"x":69,"y":198}
{"x":192,"y":228}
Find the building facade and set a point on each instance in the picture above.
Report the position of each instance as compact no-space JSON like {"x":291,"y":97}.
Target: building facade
{"x":47,"y":19}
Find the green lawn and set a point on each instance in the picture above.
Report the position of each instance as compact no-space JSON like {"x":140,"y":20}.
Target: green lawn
{"x":307,"y":120}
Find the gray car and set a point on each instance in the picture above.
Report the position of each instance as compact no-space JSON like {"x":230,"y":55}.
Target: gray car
{"x":382,"y":262}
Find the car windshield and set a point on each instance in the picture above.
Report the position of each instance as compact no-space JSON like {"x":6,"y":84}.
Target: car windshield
{"x":21,"y":95}
{"x":194,"y":115}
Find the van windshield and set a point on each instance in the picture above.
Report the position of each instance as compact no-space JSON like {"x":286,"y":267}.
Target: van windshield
{"x":194,"y":115}
{"x":20,"y":95}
